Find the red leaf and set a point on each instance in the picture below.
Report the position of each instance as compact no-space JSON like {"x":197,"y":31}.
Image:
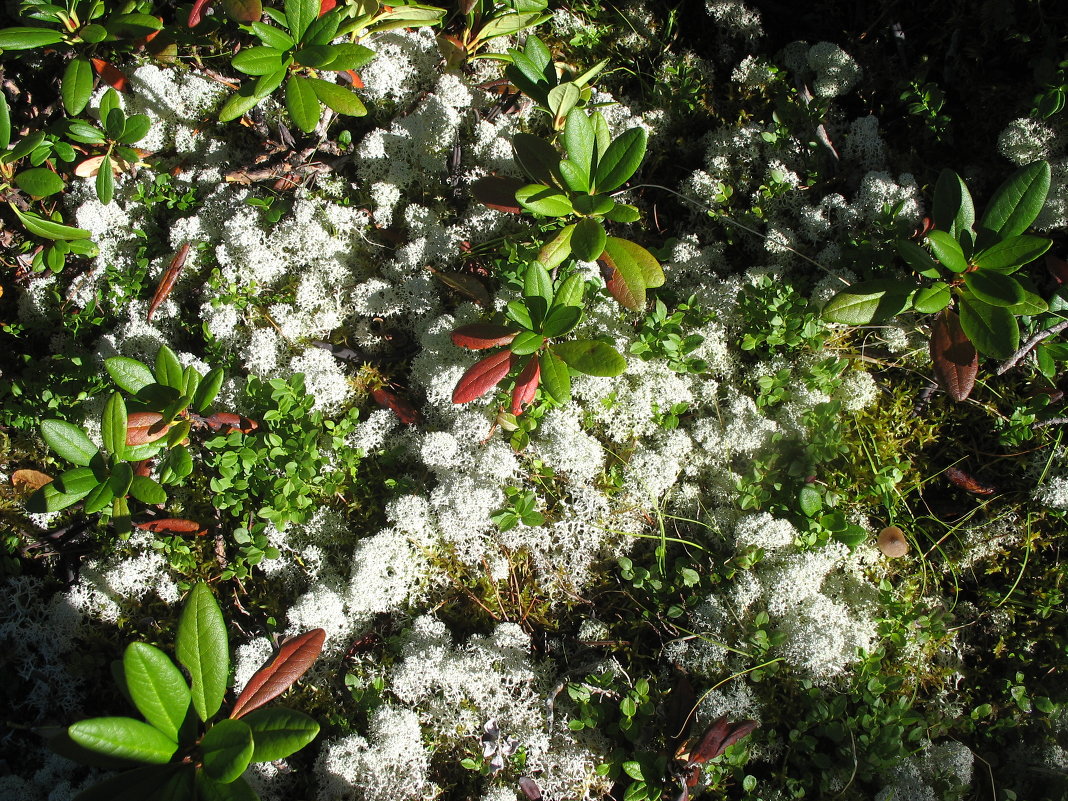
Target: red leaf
{"x":357,"y":81}
{"x":482,"y":376}
{"x":953,"y":355}
{"x":965,"y":481}
{"x":497,"y":193}
{"x":109,"y":74}
{"x":278,"y":675}
{"x":145,"y":427}
{"x":479,"y":336}
{"x":173,"y":525}
{"x":166,"y":281}
{"x":196,"y":13}
{"x":718,"y":737}
{"x":404,"y":410}
{"x":526,"y":385}
{"x":326,"y":5}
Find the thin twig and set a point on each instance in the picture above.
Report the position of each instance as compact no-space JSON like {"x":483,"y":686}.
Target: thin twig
{"x":1029,"y":345}
{"x":1053,"y":421}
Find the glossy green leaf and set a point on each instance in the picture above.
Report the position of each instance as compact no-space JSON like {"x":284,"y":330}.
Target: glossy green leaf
{"x":918,"y":258}
{"x":156,"y":686}
{"x":175,"y":465}
{"x":316,"y":56}
{"x":115,"y":122}
{"x":148,"y":490}
{"x":39,"y":182}
{"x":130,"y":374}
{"x":591,"y":357}
{"x":589,"y":239}
{"x":570,"y":291}
{"x":560,"y":320}
{"x":537,"y":283}
{"x":210,"y":790}
{"x":93,"y":33}
{"x":136,"y":129}
{"x":600,"y":132}
{"x":113,"y":425}
{"x":50,"y":498}
{"x":517,"y":311}
{"x":258,"y":60}
{"x":994,"y":288}
{"x":810,"y":500}
{"x":105,"y":181}
{"x":622,"y":159}
{"x":868,"y":301}
{"x":272,"y":36}
{"x":124,"y":738}
{"x":48,"y":228}
{"x":77,"y":85}
{"x":579,"y":140}
{"x":947,"y":250}
{"x":132,"y":26}
{"x":953,"y":210}
{"x":120,"y":516}
{"x":1018,"y":201}
{"x":21,"y":38}
{"x":555,"y":376}
{"x":632,"y":269}
{"x":323,"y":29}
{"x":1010,"y":254}
{"x":573,"y":177}
{"x":226,"y":750}
{"x":300,"y":14}
{"x":510,"y":23}
{"x":933,"y":298}
{"x":121,"y":478}
{"x":302,"y":104}
{"x":243,"y":101}
{"x":349,"y":56}
{"x":526,"y":342}
{"x":207,"y":390}
{"x":623,"y":213}
{"x":557,"y":250}
{"x":338,"y":98}
{"x":98,"y":498}
{"x":78,"y":480}
{"x":537,"y":157}
{"x":5,"y":123}
{"x":168,"y":370}
{"x":243,"y":10}
{"x":83,"y":132}
{"x":278,"y":732}
{"x":992,"y":329}
{"x":203,"y":650}
{"x":543,"y":200}
{"x":69,"y":441}
{"x":173,"y":782}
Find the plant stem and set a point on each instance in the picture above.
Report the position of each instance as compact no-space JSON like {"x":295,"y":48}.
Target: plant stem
{"x":1029,"y":345}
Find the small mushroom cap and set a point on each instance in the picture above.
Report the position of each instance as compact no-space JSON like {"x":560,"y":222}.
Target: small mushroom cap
{"x":892,"y":542}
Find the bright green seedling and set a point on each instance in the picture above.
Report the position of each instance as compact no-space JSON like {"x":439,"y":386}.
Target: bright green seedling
{"x":131,"y":434}
{"x":971,"y":268}
{"x":479,"y":21}
{"x":294,"y":52}
{"x":536,"y":323}
{"x":183,"y":751}
{"x":536,"y":75}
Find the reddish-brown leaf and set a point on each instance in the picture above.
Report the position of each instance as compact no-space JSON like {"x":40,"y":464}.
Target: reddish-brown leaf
{"x":228,"y":421}
{"x":166,"y":281}
{"x":388,"y":399}
{"x":498,"y":193}
{"x":479,"y":336}
{"x":530,"y":788}
{"x":145,"y":427}
{"x":465,"y":284}
{"x":110,"y":74}
{"x":955,"y":360}
{"x":326,"y":5}
{"x":196,"y":13}
{"x":278,"y":675}
{"x":173,"y":525}
{"x":965,"y":481}
{"x":482,"y":376}
{"x":526,"y":385}
{"x":357,"y":81}
{"x":718,"y":737}
{"x":27,"y":481}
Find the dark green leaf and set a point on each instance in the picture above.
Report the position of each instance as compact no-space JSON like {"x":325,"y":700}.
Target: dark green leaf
{"x":272,"y":36}
{"x":570,"y":291}
{"x":28,"y":38}
{"x":560,"y":320}
{"x":132,"y":26}
{"x":84,"y":133}
{"x":279,"y":732}
{"x":156,"y":687}
{"x":591,"y":357}
{"x":148,"y":490}
{"x":124,"y":738}
{"x":39,"y":182}
{"x":810,"y":500}
{"x":947,"y":250}
{"x":623,"y":213}
{"x":301,"y":102}
{"x":933,"y":298}
{"x":115,"y":123}
{"x":77,"y":85}
{"x":169,"y":370}
{"x":121,"y":478}
{"x":868,"y":301}
{"x":69,"y":441}
{"x":588,"y":241}
{"x":136,"y":129}
{"x":953,"y":208}
{"x":243,"y":101}
{"x":300,"y":14}
{"x":317,"y":56}
{"x":555,"y":376}
{"x":573,"y":177}
{"x":78,"y":480}
{"x":992,"y":329}
{"x":543,"y":200}
{"x":600,"y":132}
{"x":349,"y":56}
{"x":203,"y":650}
{"x":259,"y":60}
{"x":918,"y":258}
{"x":49,"y":498}
{"x":130,"y":374}
{"x":526,"y":342}
{"x":175,"y":465}
{"x":113,"y":425}
{"x":156,"y":782}
{"x":5,"y":124}
{"x":994,"y":288}
{"x":593,"y":204}
{"x":93,"y":33}
{"x":623,"y":157}
{"x":226,"y":750}
{"x":98,"y":498}
{"x":323,"y":30}
{"x":207,"y":390}
{"x":338,"y":98}
{"x":1010,"y":254}
{"x":579,"y":140}
{"x":537,"y":283}
{"x":537,"y":157}
{"x":105,"y":181}
{"x":1018,"y":201}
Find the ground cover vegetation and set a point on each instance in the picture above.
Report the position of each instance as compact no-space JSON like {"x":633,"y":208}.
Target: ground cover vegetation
{"x":539,"y":400}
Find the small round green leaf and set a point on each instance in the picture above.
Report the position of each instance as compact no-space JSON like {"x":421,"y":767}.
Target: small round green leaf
{"x":226,"y":750}
{"x":124,"y":738}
